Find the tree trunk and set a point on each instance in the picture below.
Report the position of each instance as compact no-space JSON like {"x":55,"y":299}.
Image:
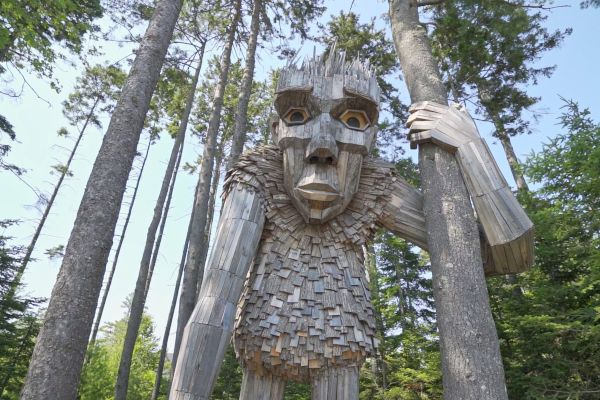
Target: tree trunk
{"x":211,"y":211}
{"x":193,"y":271}
{"x":165,"y":341}
{"x":163,"y":222}
{"x":471,"y":363}
{"x":511,"y":157}
{"x":160,"y":211}
{"x":14,"y":286}
{"x":113,"y":268}
{"x":59,"y":352}
{"x":241,"y":115}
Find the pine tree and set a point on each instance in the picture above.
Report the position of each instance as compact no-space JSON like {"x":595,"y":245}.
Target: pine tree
{"x":488,"y":53}
{"x":549,"y":337}
{"x":460,"y":292}
{"x":60,"y":348}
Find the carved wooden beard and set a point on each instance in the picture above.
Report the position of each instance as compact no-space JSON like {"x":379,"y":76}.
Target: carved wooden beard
{"x":324,"y":131}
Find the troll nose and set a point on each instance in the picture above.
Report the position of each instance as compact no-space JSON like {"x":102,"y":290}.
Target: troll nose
{"x":322,"y":150}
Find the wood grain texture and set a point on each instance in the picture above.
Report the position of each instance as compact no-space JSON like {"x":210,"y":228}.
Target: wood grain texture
{"x":209,"y":330}
{"x":506,"y":227}
{"x":261,"y":387}
{"x":306,"y":305}
{"x":470,"y":352}
{"x":336,"y":384}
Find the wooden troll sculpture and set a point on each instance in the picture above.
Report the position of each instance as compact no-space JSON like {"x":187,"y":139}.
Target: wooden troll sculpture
{"x":286,"y":273}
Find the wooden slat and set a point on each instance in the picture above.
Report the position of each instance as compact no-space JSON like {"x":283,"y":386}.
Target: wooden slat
{"x":209,"y":330}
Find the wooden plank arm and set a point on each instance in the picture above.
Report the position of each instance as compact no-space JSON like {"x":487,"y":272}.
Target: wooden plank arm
{"x":209,"y":329}
{"x":507,"y":228}
{"x":403,"y":214}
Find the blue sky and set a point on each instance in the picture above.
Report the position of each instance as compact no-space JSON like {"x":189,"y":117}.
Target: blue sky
{"x":37,"y":119}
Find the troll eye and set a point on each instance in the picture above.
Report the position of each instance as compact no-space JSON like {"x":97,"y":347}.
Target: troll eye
{"x":296,"y":116}
{"x":355,"y":119}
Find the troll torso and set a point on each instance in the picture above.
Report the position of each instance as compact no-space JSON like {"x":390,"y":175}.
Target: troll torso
{"x":306,"y":303}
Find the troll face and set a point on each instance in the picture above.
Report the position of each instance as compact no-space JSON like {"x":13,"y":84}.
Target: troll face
{"x":328,"y":111}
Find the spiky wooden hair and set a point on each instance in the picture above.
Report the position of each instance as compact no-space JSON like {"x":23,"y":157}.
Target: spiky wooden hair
{"x":357,"y":75}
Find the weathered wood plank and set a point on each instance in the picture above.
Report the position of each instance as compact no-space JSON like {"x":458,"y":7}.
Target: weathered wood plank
{"x":209,"y":330}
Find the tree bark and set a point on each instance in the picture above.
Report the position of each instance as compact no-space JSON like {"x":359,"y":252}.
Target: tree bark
{"x":241,"y":115}
{"x":193,"y":272}
{"x":113,"y":268}
{"x":59,"y":352}
{"x":471,"y":363}
{"x":160,"y":212}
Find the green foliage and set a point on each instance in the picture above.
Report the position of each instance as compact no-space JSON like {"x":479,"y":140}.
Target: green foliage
{"x":19,"y":324}
{"x":590,"y":3}
{"x":7,"y":128}
{"x":168,"y":102}
{"x":297,"y":14}
{"x":488,"y":52}
{"x":96,"y":91}
{"x":259,"y":107}
{"x":56,"y":252}
{"x":549,"y":335}
{"x":405,"y":304}
{"x":30,"y":29}
{"x":100,"y":372}
{"x":229,"y":381}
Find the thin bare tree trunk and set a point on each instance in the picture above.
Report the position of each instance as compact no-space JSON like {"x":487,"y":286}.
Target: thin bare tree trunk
{"x":165,"y":341}
{"x":211,"y":210}
{"x":511,"y":157}
{"x":241,"y":114}
{"x":16,"y":282}
{"x":113,"y":268}
{"x":60,"y":348}
{"x":160,"y":211}
{"x":471,"y":363}
{"x":193,"y":270}
{"x":163,"y":222}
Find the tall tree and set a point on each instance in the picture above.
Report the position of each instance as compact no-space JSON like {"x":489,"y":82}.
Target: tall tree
{"x":94,"y":93}
{"x":193,"y":271}
{"x":549,"y":338}
{"x":165,"y":340}
{"x":60,"y":348}
{"x":30,"y":31}
{"x":241,"y":119}
{"x":488,"y":53}
{"x":468,"y":339}
{"x":160,"y":212}
{"x":113,"y":267}
{"x":99,"y":374}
